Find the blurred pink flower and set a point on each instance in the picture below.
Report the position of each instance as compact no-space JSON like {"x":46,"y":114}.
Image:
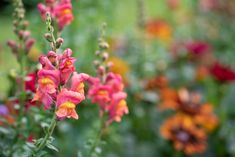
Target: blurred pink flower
{"x":100,"y":94}
{"x":118,"y":107}
{"x":173,"y":4}
{"x":109,"y":96}
{"x":197,"y":47}
{"x":63,"y":13}
{"x":60,"y":10}
{"x":208,"y":5}
{"x":115,"y":81}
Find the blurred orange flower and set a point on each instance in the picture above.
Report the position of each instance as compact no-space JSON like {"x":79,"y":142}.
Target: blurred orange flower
{"x":189,"y":104}
{"x":159,"y":29}
{"x":186,"y":136}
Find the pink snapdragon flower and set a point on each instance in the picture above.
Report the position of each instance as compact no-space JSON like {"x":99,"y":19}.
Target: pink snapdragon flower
{"x":109,"y":96}
{"x":66,"y":103}
{"x":115,"y":81}
{"x":99,"y":93}
{"x":118,"y":107}
{"x":60,"y":10}
{"x":68,"y":99}
{"x":66,"y":65}
{"x":63,"y":13}
{"x":56,"y":71}
{"x":48,"y":81}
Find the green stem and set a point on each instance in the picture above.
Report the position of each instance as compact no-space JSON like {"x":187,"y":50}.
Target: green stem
{"x":98,"y":137}
{"x":47,"y":136}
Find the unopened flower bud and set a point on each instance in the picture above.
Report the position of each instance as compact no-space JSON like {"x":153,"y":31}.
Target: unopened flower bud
{"x":104,"y":45}
{"x":21,"y":34}
{"x":97,"y":53}
{"x":52,"y":56}
{"x":12,"y":44}
{"x":29,"y":43}
{"x":26,"y":35}
{"x":105,"y":56}
{"x":96,"y":63}
{"x":101,"y":70}
{"x":59,"y":42}
{"x":48,"y":37}
{"x":25,"y":23}
{"x":13,"y":73}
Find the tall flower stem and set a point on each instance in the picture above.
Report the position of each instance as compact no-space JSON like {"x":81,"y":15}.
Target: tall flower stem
{"x":98,"y":137}
{"x":49,"y":132}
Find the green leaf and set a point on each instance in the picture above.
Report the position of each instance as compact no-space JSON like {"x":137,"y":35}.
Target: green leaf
{"x":50,"y":146}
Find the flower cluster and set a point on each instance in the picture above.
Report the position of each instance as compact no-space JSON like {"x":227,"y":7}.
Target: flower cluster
{"x":192,"y":121}
{"x":109,"y":96}
{"x":61,"y":11}
{"x":107,"y":89}
{"x":53,"y":81}
{"x":200,"y":53}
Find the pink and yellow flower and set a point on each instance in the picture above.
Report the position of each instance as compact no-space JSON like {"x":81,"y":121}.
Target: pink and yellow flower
{"x":48,"y":81}
{"x":99,"y":93}
{"x":66,"y":65}
{"x":63,"y":13}
{"x":109,"y":96}
{"x":66,"y":103}
{"x":68,"y":99}
{"x":78,"y":82}
{"x":60,"y":10}
{"x":118,"y":107}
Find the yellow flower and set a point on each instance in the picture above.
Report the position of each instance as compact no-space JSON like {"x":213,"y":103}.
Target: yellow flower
{"x":119,"y":67}
{"x":34,"y":54}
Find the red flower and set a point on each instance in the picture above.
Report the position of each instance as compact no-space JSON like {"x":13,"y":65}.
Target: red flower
{"x":30,"y":82}
{"x":222,"y":73}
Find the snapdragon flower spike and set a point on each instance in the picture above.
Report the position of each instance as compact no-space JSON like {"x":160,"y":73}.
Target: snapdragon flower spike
{"x":109,"y":96}
{"x":68,"y":99}
{"x":60,"y":10}
{"x":66,"y":65}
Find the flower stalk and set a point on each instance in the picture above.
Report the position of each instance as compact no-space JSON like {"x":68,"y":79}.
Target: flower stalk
{"x":49,"y":133}
{"x":99,"y":135}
